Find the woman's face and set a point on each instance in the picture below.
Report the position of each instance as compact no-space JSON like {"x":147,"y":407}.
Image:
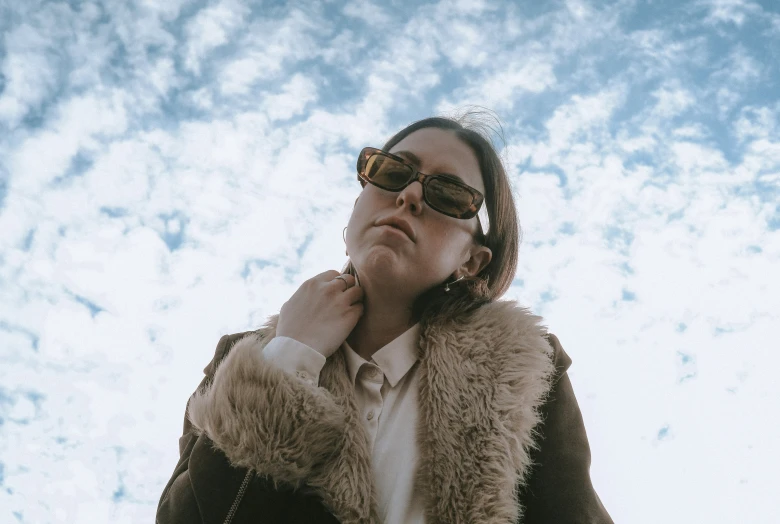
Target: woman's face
{"x":442,"y":245}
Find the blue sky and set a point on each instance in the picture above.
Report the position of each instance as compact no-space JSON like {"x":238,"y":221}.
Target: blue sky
{"x":171,"y":171}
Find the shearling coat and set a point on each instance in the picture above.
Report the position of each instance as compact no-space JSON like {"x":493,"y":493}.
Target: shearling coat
{"x":501,"y":437}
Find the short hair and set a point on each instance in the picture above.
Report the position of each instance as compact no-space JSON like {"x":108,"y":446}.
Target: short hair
{"x":503,"y":238}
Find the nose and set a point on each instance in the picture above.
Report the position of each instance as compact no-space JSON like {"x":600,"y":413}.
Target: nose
{"x":412,"y":195}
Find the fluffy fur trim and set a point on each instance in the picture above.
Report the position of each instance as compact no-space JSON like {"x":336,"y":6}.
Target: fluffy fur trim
{"x":265,"y":420}
{"x":483,"y":379}
{"x":307,"y":437}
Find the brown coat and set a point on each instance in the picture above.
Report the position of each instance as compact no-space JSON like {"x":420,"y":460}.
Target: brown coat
{"x":501,"y":436}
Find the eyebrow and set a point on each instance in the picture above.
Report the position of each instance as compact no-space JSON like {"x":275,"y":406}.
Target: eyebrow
{"x":414,"y":159}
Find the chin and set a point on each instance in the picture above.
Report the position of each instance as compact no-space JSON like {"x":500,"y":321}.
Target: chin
{"x":381,"y":269}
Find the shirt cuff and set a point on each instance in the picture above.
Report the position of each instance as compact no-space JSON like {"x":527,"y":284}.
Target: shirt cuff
{"x":296,"y":358}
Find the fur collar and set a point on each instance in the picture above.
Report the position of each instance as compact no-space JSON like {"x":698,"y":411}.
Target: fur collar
{"x":483,"y":379}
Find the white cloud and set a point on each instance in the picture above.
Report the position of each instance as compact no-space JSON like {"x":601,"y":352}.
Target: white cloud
{"x":211,"y":28}
{"x":343,"y":51}
{"x":737,"y":73}
{"x":757,"y":122}
{"x":295,"y":96}
{"x":162,"y":77}
{"x":211,"y":159}
{"x":30,"y":73}
{"x":48,"y":154}
{"x":695,"y":131}
{"x":268,"y":47}
{"x":369,"y":13}
{"x":635,"y":144}
{"x":167,"y":9}
{"x":467,"y":7}
{"x":504,"y":88}
{"x":580,"y":120}
{"x":742,"y":68}
{"x":658,"y":53}
{"x":672,"y":100}
{"x":696,"y":159}
{"x":730,"y":11}
{"x":579,"y":9}
{"x":466,"y":43}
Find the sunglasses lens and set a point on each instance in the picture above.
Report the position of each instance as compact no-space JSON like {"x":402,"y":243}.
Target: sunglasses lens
{"x":387,"y":173}
{"x":449,"y":198}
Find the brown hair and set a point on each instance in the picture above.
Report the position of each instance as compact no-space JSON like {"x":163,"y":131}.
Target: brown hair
{"x":503,"y":239}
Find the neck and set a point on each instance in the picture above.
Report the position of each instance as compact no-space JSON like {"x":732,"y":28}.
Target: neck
{"x":381,"y":323}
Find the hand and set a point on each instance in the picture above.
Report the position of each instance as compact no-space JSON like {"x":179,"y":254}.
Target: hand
{"x":322,"y":312}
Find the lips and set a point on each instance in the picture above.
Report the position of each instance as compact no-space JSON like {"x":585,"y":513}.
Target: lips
{"x":398,"y":223}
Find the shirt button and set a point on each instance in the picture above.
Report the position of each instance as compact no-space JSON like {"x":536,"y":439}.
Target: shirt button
{"x":373,"y":372}
{"x":301,"y":374}
{"x":370,"y":415}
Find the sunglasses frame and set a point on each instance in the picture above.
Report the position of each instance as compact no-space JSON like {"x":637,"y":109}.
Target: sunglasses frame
{"x":476,"y":209}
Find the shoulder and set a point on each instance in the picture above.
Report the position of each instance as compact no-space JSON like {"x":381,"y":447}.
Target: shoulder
{"x":519,"y":322}
{"x":512,"y":329}
{"x":224,"y":346}
{"x":561,"y":360}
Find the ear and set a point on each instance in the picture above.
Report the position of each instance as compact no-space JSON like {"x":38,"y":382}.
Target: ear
{"x":479,"y":257}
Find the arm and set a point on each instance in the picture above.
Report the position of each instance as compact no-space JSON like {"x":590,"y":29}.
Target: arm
{"x":559,"y":489}
{"x":205,"y":483}
{"x":296,"y":358}
{"x":263,"y":418}
{"x":177,"y":502}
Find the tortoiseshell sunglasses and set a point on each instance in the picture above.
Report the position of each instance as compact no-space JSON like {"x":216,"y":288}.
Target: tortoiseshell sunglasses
{"x":442,"y":192}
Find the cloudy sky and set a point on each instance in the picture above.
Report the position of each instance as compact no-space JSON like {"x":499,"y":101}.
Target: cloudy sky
{"x":172,"y":171}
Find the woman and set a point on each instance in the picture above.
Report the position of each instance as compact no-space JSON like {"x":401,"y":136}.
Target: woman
{"x":409,"y":395}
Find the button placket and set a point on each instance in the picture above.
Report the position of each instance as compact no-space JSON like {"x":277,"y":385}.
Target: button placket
{"x":371,"y":383}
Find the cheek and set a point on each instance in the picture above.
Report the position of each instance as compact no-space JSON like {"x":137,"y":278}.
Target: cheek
{"x":370,"y":199}
{"x":442,"y":240}
{"x":455,"y":243}
{"x":363,"y":204}
{"x":436,"y":259}
{"x":366,"y":211}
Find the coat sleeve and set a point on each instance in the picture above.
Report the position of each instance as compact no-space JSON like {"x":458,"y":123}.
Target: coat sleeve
{"x":205,"y":482}
{"x":177,"y":502}
{"x":559,"y":489}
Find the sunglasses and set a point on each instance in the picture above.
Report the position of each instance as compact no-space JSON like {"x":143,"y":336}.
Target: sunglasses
{"x":443,"y":193}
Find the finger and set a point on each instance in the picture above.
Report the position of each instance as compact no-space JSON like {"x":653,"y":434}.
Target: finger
{"x":354,"y":295}
{"x":350,"y":280}
{"x":327,"y":276}
{"x":357,"y":308}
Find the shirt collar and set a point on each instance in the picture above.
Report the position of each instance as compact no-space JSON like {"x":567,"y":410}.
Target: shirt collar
{"x":395,"y":359}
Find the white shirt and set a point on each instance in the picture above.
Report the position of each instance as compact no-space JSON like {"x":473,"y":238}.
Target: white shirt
{"x":386,"y":390}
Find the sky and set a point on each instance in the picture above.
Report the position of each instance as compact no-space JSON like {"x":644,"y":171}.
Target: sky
{"x":173,"y":170}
